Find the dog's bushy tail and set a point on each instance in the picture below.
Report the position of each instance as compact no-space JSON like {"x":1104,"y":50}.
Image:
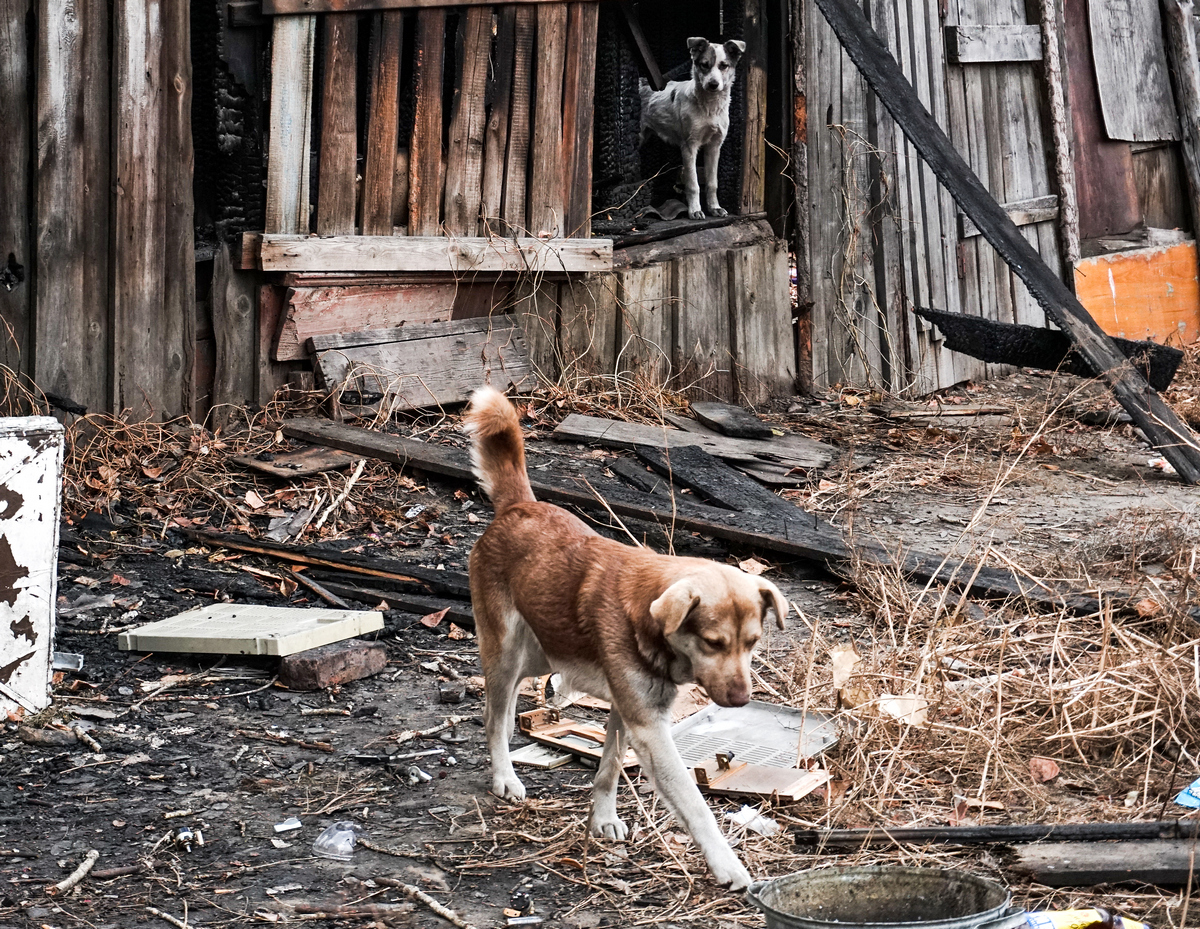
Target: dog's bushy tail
{"x":497,"y":449}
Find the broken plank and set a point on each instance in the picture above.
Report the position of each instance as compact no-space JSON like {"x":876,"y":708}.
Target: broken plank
{"x":990,"y":44}
{"x":314,"y":311}
{"x":730,"y":420}
{"x":1161,"y":426}
{"x":1021,"y":212}
{"x":694,"y":468}
{"x":798,"y":452}
{"x":998,"y":834}
{"x":303,"y":463}
{"x":802,"y":536}
{"x":433,"y":253}
{"x":1084,"y":864}
{"x":427,"y":365}
{"x":639,"y":476}
{"x":458,"y":614}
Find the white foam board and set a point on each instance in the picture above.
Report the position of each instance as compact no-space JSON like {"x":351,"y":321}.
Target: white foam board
{"x":241,"y":629}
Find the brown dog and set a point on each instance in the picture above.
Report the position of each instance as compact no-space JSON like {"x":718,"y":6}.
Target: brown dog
{"x":622,"y":624}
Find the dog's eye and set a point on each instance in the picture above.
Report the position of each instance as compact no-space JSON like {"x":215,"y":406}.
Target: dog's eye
{"x":724,"y":65}
{"x":712,"y":642}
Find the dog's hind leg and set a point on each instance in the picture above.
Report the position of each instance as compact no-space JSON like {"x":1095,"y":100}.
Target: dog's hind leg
{"x":660,"y":759}
{"x":505,"y":665}
{"x":605,"y":823}
{"x":691,"y":183}
{"x":712,"y":158}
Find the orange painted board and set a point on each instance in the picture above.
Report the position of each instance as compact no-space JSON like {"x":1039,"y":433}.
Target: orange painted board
{"x":1144,"y":293}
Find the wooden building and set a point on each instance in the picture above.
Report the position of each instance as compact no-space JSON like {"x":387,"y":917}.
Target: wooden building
{"x":195,"y":197}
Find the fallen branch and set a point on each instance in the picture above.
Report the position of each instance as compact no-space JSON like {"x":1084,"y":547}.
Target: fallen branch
{"x":178,"y":924}
{"x":350,"y":911}
{"x":77,"y":875}
{"x":285,"y":740}
{"x":417,"y":894}
{"x":409,"y":734}
{"x":341,"y":498}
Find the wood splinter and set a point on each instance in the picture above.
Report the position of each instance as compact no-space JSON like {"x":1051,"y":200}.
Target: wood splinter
{"x":77,"y":875}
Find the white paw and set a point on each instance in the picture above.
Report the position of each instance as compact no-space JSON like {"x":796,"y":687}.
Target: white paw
{"x":508,"y":787}
{"x":718,"y":211}
{"x":695,"y":214}
{"x":730,"y":873}
{"x":608,"y":827}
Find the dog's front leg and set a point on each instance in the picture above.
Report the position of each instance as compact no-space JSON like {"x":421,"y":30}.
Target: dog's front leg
{"x":606,"y":824}
{"x":712,"y":158}
{"x":691,"y":183}
{"x":660,"y":758}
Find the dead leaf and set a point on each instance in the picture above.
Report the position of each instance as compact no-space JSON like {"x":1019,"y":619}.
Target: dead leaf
{"x":287,"y":586}
{"x":1148,"y":607}
{"x":960,"y":815}
{"x":152,"y":473}
{"x":254,"y":501}
{"x":843,"y":658}
{"x":118,"y":579}
{"x":381,"y":607}
{"x":1043,"y":769}
{"x":908,"y":708}
{"x":753,"y":566}
{"x":459,"y":633}
{"x":107,"y":474}
{"x":432,"y":619}
{"x":975,"y":803}
{"x":855,"y":695}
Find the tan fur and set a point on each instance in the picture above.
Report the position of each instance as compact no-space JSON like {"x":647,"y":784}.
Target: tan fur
{"x":624,"y":624}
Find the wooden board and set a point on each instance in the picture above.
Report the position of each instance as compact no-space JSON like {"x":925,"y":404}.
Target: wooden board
{"x":464,"y":160}
{"x":760,"y":323}
{"x":516,"y":165}
{"x":427,"y":365}
{"x":1164,"y":429}
{"x":338,"y":166}
{"x":1131,"y":70}
{"x":285,"y":7}
{"x":1143,"y":293}
{"x":547,"y":193}
{"x":383,"y":124}
{"x":1022,"y":213}
{"x":727,"y":419}
{"x":645,"y":328}
{"x":234,"y":330}
{"x":292,"y":42}
{"x":535,"y":304}
{"x":587,"y":325}
{"x":983,"y":44}
{"x":425,"y":171}
{"x":16,"y":192}
{"x":579,"y":88}
{"x":797,"y":451}
{"x":702,"y":356}
{"x":495,"y":136}
{"x":716,"y":482}
{"x":433,"y":253}
{"x":315,"y":311}
{"x":302,"y":463}
{"x":1084,"y":864}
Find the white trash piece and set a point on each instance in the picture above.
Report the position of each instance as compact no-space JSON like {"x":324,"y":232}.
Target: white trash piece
{"x":753,"y":820}
{"x":31,"y":454}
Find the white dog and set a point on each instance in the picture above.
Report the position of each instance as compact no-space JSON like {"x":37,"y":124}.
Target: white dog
{"x":694,"y":115}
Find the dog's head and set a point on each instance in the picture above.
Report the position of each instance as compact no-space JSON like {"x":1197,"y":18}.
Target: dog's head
{"x":714,"y":66}
{"x":712,"y":620}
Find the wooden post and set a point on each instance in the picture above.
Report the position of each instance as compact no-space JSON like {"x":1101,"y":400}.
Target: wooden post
{"x":1060,"y":121}
{"x":16,"y":282}
{"x":801,"y":230}
{"x":1185,"y":74}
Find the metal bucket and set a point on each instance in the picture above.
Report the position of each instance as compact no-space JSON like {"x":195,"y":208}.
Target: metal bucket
{"x":884,"y":897}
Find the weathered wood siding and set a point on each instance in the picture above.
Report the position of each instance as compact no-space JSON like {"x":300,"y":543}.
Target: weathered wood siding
{"x":884,"y":236}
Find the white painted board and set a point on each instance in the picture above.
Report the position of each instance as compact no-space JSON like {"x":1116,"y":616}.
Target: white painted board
{"x":31,"y":454}
{"x":240,"y":629}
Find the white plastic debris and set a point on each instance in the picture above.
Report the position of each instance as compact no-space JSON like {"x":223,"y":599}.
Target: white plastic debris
{"x":288,"y":825}
{"x":753,"y":820}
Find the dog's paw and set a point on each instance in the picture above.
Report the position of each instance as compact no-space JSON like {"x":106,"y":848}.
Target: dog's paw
{"x":508,"y":787}
{"x":718,"y":211}
{"x":731,"y":873}
{"x":609,"y":828}
{"x":695,"y":214}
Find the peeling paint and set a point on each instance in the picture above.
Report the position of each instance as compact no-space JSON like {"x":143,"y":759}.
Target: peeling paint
{"x":10,"y":574}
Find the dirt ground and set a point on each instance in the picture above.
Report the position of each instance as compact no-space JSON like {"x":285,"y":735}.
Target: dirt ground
{"x":215,"y":745}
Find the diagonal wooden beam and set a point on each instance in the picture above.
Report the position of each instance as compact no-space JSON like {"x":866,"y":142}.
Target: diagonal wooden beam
{"x":1165,"y":431}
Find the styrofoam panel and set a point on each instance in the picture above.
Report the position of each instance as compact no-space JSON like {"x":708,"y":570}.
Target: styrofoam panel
{"x":241,"y":629}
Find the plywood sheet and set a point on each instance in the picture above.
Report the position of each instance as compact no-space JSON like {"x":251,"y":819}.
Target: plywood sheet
{"x":1131,"y":70}
{"x":1144,"y":293}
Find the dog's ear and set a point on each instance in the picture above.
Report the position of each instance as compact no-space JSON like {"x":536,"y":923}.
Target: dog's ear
{"x":734,"y":49}
{"x":773,"y":601}
{"x":673,"y":605}
{"x":697,"y":46}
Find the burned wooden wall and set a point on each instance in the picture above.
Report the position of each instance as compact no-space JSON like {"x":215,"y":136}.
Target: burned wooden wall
{"x":95,"y":182}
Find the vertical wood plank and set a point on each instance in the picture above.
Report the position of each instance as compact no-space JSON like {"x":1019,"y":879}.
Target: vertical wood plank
{"x":644,"y":333}
{"x":272,"y":302}
{"x":495,"y":142}
{"x":338,"y":166}
{"x":516,"y":164}
{"x":71,"y":342}
{"x":547,"y":199}
{"x":292,"y":42}
{"x":700,"y":292}
{"x":588,"y":325}
{"x":760,"y":322}
{"x":235,"y":376}
{"x":579,"y":90}
{"x":754,"y":145}
{"x":802,"y":219}
{"x":16,"y":282}
{"x":464,"y":158}
{"x":383,"y":123}
{"x":178,"y":309}
{"x":535,"y":304}
{"x":425,"y":151}
{"x":147,"y":360}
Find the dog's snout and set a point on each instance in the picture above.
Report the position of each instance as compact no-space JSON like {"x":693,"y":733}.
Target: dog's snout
{"x":713,"y":83}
